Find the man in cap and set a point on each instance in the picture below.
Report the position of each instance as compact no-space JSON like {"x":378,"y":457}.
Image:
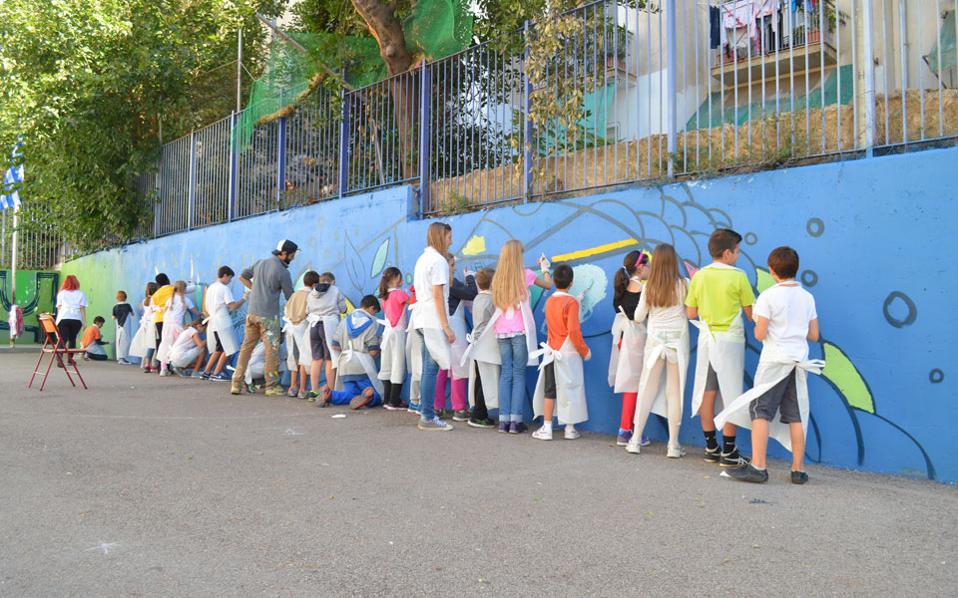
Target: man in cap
{"x":265,"y":279}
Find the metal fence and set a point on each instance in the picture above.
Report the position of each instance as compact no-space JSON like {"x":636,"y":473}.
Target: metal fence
{"x":626,"y":91}
{"x":39,"y":243}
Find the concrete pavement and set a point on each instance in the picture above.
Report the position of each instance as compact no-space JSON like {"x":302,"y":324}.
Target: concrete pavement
{"x":145,"y":486}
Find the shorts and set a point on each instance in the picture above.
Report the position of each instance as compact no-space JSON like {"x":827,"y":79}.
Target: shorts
{"x":783,"y":397}
{"x":219,"y":345}
{"x":317,"y":342}
{"x":711,"y":380}
{"x":549,"y":381}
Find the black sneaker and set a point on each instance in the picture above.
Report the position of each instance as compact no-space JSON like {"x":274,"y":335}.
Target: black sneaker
{"x":748,"y":473}
{"x":482,"y":423}
{"x":799,"y":477}
{"x":713,"y":455}
{"x":734,"y":460}
{"x":460,"y":416}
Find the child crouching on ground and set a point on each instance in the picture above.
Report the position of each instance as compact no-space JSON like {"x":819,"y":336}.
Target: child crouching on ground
{"x":357,"y":339}
{"x":785,"y":320}
{"x":92,"y":341}
{"x":189,"y":349}
{"x":560,"y":375}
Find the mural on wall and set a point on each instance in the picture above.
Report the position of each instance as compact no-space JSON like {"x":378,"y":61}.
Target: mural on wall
{"x":882,"y":401}
{"x":37,"y":293}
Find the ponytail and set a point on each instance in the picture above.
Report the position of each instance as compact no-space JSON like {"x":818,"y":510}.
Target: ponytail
{"x":388,"y":274}
{"x":621,"y":281}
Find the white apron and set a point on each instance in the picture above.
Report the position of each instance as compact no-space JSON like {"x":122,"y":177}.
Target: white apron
{"x":483,"y":358}
{"x":393,"y":350}
{"x":773,"y":367}
{"x":458,"y":349}
{"x":297,"y":336}
{"x":625,"y":364}
{"x":571,"y":407}
{"x":124,"y":336}
{"x":257,"y":363}
{"x":413,"y":351}
{"x":673,"y":346}
{"x":181,"y":359}
{"x":172,"y":326}
{"x":145,"y":337}
{"x":221,"y":323}
{"x":725,"y":351}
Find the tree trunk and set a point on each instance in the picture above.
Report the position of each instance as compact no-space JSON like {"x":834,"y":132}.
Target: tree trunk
{"x":386,"y":28}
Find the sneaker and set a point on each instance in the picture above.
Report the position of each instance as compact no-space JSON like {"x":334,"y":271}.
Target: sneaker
{"x":571,"y":433}
{"x":275,"y":391}
{"x":434,"y":425}
{"x":633,"y":447}
{"x":713,"y":455}
{"x":303,"y":395}
{"x":481,"y":423}
{"x":122,"y":362}
{"x":324,"y":397}
{"x":747,"y":473}
{"x":291,"y":392}
{"x":543,"y":433}
{"x":517,"y":427}
{"x":442,"y":414}
{"x":733,"y":459}
{"x":198,"y":375}
{"x":399,"y":407}
{"x":165,"y":373}
{"x":147,"y":370}
{"x":413,"y":408}
{"x":623,"y":438}
{"x":251,"y":388}
{"x":236,"y":389}
{"x":799,"y":477}
{"x":360,"y":401}
{"x":180,"y":372}
{"x":311,"y":396}
{"x":221,"y":377}
{"x":461,"y":415}
{"x":675,"y":452}
{"x":644,"y":441}
{"x":504,"y":427}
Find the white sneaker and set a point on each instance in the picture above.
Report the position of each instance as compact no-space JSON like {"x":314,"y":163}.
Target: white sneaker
{"x":675,"y":452}
{"x":633,"y":446}
{"x":571,"y":433}
{"x":543,"y":433}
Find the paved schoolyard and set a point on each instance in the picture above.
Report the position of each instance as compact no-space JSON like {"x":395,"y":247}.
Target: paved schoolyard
{"x":166,"y":487}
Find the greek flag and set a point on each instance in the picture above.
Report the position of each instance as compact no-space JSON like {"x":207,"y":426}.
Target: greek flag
{"x":9,"y":193}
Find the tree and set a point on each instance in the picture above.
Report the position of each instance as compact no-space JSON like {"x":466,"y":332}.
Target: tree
{"x":91,"y":86}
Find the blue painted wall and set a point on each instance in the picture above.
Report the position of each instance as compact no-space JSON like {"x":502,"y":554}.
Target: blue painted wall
{"x":875,"y":239}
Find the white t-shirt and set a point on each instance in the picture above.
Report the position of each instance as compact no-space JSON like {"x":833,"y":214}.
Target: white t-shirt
{"x":69,"y":304}
{"x":431,"y":269}
{"x":217,"y":294}
{"x":184,"y":342}
{"x":789,"y":308}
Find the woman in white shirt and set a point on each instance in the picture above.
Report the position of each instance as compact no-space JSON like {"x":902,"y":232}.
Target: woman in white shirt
{"x":431,"y":321}
{"x":71,"y":311}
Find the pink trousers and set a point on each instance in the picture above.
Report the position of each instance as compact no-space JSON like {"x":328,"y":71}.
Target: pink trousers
{"x":458,"y":393}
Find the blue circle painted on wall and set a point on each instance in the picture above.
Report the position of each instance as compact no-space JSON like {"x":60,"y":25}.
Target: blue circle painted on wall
{"x":751,"y":238}
{"x":899,"y":309}
{"x":809,"y":278}
{"x":815,"y":227}
{"x":936,"y":376}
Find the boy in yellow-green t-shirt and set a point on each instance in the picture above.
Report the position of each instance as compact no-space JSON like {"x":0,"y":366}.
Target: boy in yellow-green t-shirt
{"x":717,"y":296}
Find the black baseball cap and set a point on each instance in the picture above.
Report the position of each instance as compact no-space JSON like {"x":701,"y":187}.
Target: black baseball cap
{"x":286,"y":245}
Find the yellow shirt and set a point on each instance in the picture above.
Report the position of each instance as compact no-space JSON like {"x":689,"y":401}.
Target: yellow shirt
{"x":160,"y":298}
{"x":719,"y":292}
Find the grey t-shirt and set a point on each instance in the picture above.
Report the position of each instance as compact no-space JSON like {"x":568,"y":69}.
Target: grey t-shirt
{"x":269,"y":276}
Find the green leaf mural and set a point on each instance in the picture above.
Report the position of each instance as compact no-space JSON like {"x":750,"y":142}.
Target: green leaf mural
{"x":379,"y":261}
{"x":841,"y":372}
{"x":763,"y":280}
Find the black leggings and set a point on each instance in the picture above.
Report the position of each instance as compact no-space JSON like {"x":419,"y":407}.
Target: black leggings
{"x":69,"y":329}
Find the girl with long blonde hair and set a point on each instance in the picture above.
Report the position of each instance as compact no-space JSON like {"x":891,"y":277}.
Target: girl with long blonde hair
{"x":515,"y":329}
{"x":666,"y":348}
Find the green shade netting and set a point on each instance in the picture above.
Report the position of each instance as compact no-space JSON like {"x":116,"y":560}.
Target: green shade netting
{"x":592,"y":126}
{"x":435,"y":29}
{"x":739,"y":115}
{"x":945,"y":43}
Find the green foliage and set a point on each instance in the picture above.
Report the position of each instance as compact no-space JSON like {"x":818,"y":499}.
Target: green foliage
{"x":92,"y":85}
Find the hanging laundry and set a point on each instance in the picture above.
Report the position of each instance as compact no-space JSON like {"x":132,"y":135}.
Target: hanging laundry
{"x":715,"y":27}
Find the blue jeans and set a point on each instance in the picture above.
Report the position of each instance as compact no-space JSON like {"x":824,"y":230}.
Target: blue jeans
{"x":427,"y":387}
{"x":512,"y":380}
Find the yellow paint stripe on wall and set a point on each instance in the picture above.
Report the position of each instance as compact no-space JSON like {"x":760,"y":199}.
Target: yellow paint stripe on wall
{"x":582,"y":253}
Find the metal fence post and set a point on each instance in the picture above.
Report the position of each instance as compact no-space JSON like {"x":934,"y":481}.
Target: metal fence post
{"x":231,"y":203}
{"x":869,"y":66}
{"x":527,"y":119}
{"x":425,"y":91}
{"x":157,"y":182}
{"x":191,"y":181}
{"x":280,"y":161}
{"x":672,"y":65}
{"x":343,"y":142}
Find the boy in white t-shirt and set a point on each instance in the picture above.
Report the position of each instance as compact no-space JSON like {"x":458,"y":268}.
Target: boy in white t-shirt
{"x":189,"y":349}
{"x":785,"y":320}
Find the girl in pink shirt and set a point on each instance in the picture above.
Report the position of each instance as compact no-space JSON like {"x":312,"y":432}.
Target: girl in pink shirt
{"x":392,"y":369}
